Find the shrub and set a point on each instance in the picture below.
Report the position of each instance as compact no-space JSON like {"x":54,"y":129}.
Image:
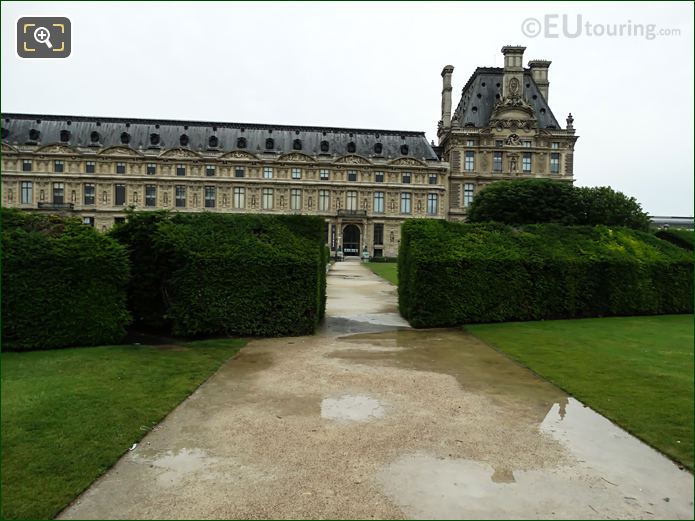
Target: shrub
{"x":63,"y":283}
{"x":535,"y":201}
{"x":452,"y":274}
{"x":208,"y":274}
{"x":679,"y":237}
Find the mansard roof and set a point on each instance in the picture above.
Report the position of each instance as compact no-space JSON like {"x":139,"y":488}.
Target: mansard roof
{"x":201,"y":136}
{"x":480,"y":94}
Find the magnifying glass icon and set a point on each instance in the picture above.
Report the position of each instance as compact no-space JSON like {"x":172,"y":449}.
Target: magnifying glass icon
{"x":43,"y":35}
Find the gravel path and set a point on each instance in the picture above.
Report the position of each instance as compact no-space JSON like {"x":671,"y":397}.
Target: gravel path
{"x":371,"y":419}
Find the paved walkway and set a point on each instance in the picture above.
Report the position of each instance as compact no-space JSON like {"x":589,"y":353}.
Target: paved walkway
{"x":388,"y":423}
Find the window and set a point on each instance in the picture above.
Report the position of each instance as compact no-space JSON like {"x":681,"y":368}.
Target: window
{"x":26,"y":165}
{"x":239,"y":197}
{"x":295,"y":199}
{"x":352,"y":175}
{"x":468,"y":190}
{"x":433,"y":179}
{"x":90,"y":167}
{"x":378,"y":233}
{"x":296,"y":173}
{"x":151,"y":169}
{"x":351,"y":148}
{"x":351,"y":200}
{"x":499,"y":143}
{"x":239,"y":171}
{"x":297,"y":144}
{"x":209,"y":170}
{"x":526,"y":144}
{"x":324,"y":200}
{"x":526,"y":162}
{"x":432,"y":204}
{"x":119,"y":220}
{"x":497,"y":162}
{"x":470,"y":143}
{"x":89,"y":221}
{"x":119,"y":195}
{"x":58,"y":193}
{"x":324,"y":146}
{"x":267,"y":202}
{"x":150,"y":195}
{"x":89,"y":194}
{"x":555,"y":145}
{"x":269,"y":143}
{"x":180,"y":170}
{"x":180,"y":192}
{"x":268,"y":172}
{"x":120,"y":168}
{"x":555,"y":163}
{"x":324,"y":175}
{"x":405,"y":178}
{"x":241,"y":142}
{"x":405,"y":202}
{"x":27,"y":196}
{"x":469,"y":161}
{"x":58,"y":166}
{"x":210,"y":196}
{"x":378,"y":202}
{"x":378,"y":177}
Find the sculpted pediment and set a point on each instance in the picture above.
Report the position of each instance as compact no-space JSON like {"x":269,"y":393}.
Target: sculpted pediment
{"x":179,"y":153}
{"x":295,"y":156}
{"x":56,"y":149}
{"x":238,"y":154}
{"x":407,"y":161}
{"x":354,"y":160}
{"x":9,"y":149}
{"x":119,"y":151}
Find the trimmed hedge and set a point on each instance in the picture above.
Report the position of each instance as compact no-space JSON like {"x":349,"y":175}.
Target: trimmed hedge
{"x":221,"y":274}
{"x":63,"y":283}
{"x":679,"y":237}
{"x":452,"y":273}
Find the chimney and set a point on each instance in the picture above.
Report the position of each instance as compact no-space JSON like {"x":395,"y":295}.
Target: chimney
{"x":446,"y":95}
{"x":513,"y":82}
{"x":539,"y":73}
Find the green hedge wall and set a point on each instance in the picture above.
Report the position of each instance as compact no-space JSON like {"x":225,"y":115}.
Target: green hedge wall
{"x":209,"y":274}
{"x":679,"y":237}
{"x":452,"y":273}
{"x":63,"y":283}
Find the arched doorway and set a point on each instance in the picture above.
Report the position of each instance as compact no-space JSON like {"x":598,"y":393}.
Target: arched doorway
{"x":351,"y":240}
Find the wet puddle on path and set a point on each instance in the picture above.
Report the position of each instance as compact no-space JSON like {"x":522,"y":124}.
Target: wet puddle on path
{"x":609,"y":473}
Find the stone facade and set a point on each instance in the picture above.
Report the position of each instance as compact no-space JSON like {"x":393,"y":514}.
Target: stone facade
{"x":502,"y":128}
{"x":363,"y":182}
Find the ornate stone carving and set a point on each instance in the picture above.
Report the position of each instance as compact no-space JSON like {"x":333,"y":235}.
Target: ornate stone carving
{"x":179,"y":153}
{"x":118,"y":151}
{"x":236,"y":154}
{"x":295,"y":157}
{"x":354,"y":160}
{"x":52,"y":149}
{"x":407,"y":161}
{"x":8,"y":149}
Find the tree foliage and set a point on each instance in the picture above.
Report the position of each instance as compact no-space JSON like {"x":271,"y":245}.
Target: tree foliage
{"x":536,"y":201}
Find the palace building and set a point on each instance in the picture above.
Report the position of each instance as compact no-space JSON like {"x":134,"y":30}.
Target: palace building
{"x":363,"y":182}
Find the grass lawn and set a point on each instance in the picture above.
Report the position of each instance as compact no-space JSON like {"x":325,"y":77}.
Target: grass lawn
{"x":637,"y":371}
{"x":69,"y":414}
{"x":386,"y":270}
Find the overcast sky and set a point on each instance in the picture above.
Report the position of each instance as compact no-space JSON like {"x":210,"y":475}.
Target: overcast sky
{"x":371,"y":65}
